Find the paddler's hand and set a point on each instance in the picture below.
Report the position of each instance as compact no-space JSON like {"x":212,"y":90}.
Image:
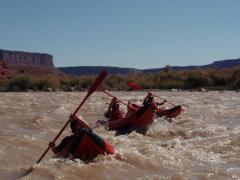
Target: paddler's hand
{"x":52,"y":144}
{"x":73,"y":117}
{"x":107,"y":114}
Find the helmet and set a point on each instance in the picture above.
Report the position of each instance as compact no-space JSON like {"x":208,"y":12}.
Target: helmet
{"x":150,"y":94}
{"x":78,"y":121}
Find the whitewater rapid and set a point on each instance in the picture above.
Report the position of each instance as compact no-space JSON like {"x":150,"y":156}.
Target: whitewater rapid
{"x":204,"y":143}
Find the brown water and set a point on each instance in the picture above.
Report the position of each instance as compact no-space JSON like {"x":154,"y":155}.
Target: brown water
{"x":204,"y":143}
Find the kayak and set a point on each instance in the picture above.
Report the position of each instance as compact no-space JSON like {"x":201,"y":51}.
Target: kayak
{"x":170,"y":113}
{"x":139,"y":118}
{"x":87,"y":148}
{"x":167,"y":113}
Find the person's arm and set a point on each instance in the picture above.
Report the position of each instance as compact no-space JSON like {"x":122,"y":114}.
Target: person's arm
{"x":107,"y":114}
{"x":145,"y":101}
{"x":53,"y":147}
{"x":61,"y":146}
{"x":159,"y":104}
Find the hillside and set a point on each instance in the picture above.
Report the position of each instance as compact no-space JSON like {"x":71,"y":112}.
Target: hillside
{"x":93,"y":70}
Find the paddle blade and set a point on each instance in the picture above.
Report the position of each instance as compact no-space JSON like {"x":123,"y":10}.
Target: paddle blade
{"x":98,"y":81}
{"x":134,"y":86}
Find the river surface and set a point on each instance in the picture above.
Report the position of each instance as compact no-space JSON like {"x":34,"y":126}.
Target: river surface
{"x":203,"y":143}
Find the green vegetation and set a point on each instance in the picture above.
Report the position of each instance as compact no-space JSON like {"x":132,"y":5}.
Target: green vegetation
{"x":24,"y":82}
{"x":166,"y":79}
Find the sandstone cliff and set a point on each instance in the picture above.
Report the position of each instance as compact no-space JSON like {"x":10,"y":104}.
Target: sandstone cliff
{"x":26,"y":58}
{"x":14,"y":63}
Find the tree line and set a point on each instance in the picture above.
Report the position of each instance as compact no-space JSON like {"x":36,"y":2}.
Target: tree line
{"x":228,"y":79}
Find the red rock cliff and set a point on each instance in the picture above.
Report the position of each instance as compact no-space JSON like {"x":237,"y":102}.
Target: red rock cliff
{"x":26,"y":58}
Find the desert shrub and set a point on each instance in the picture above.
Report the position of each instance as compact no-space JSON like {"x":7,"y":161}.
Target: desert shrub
{"x":43,"y":83}
{"x":236,"y":84}
{"x":86,"y":81}
{"x":218,"y":80}
{"x":234,"y":78}
{"x":169,"y":84}
{"x":197,"y":79}
{"x":26,"y":82}
{"x":165,"y":79}
{"x":70,"y":82}
{"x":18,"y":83}
{"x":115,"y":82}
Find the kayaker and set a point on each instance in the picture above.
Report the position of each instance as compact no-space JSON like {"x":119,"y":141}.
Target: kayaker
{"x":82,"y":144}
{"x":114,"y":112}
{"x":162,"y":112}
{"x":148,"y":99}
{"x":138,"y":119}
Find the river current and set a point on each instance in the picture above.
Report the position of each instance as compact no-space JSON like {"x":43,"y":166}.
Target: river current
{"x":203,"y":143}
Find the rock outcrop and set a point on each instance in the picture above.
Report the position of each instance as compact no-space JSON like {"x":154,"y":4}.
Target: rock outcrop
{"x":5,"y":72}
{"x":26,"y":58}
{"x":15,"y":63}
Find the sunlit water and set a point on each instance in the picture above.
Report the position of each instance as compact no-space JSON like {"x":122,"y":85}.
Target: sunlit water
{"x":204,"y":143}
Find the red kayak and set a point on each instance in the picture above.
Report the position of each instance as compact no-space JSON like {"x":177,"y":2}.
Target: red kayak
{"x":170,"y":113}
{"x":138,"y":118}
{"x":86,"y":148}
{"x":167,"y":113}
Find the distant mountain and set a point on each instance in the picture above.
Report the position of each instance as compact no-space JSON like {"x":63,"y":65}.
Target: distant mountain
{"x":94,"y":70}
{"x":230,"y":63}
{"x":225,"y":63}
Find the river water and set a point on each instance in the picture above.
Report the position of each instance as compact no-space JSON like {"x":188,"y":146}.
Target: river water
{"x":203,"y":143}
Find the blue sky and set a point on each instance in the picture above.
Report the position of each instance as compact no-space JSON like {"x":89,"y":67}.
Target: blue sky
{"x":124,"y":33}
